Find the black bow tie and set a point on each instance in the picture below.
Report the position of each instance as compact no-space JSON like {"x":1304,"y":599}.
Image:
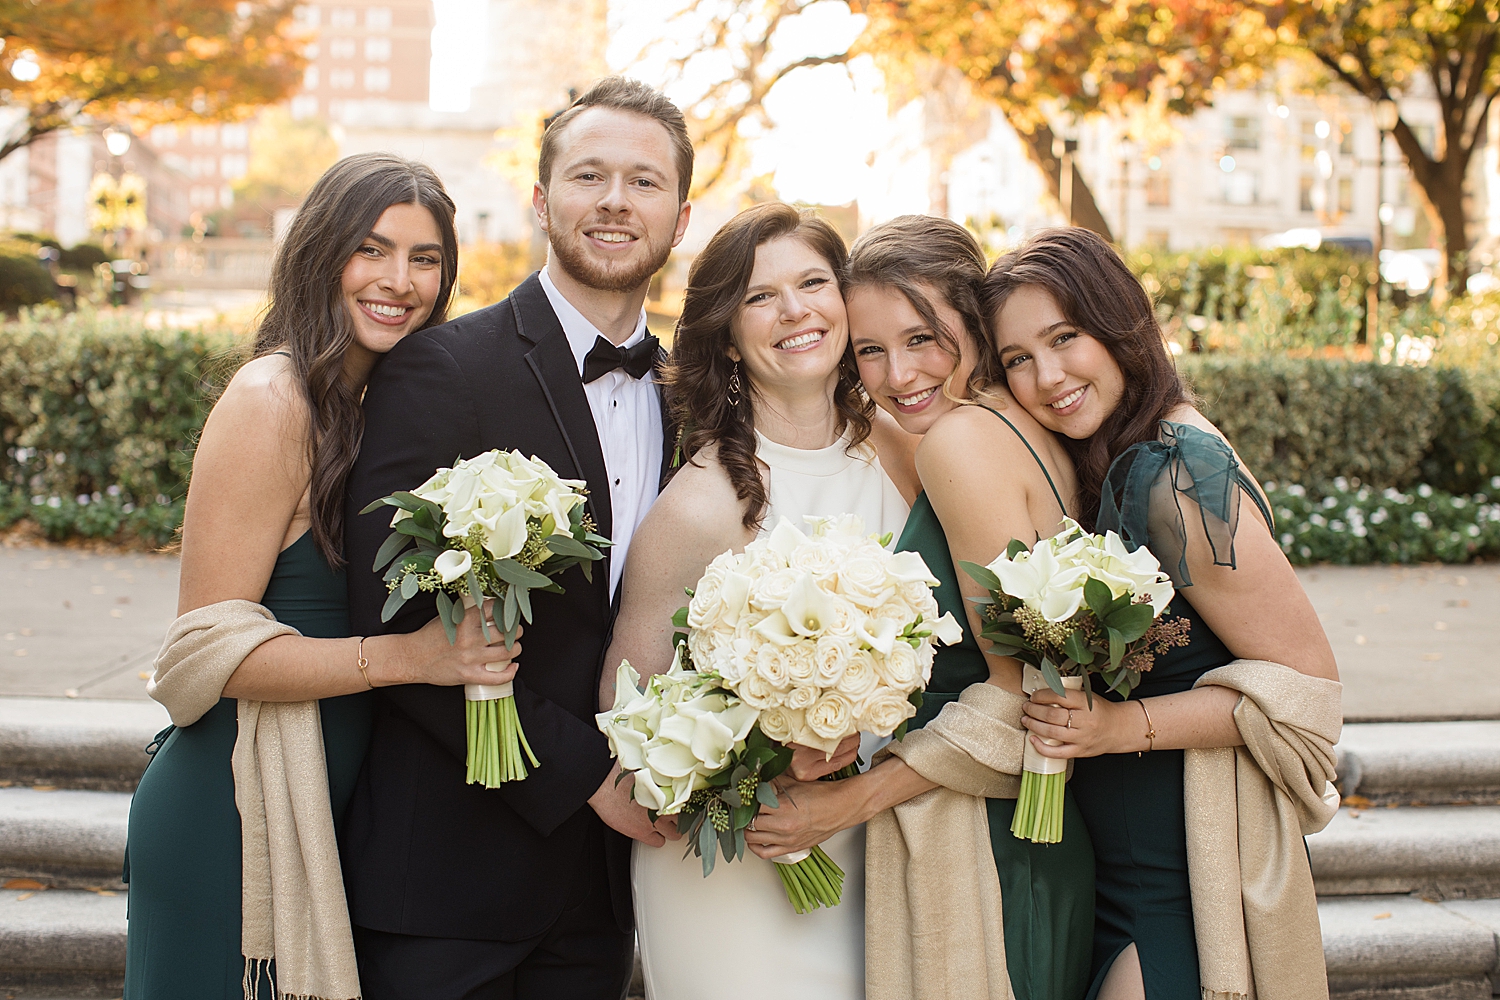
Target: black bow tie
{"x":605,"y":357}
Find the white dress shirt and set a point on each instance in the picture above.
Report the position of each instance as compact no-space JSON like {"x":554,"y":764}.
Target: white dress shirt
{"x":627,"y":416}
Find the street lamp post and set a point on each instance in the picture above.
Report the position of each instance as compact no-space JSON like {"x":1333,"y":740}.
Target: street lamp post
{"x":1386,"y":116}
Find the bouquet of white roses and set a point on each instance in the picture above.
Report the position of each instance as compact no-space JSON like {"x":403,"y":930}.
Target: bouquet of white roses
{"x":496,"y":525}
{"x":1072,"y":605}
{"x":825,"y":636}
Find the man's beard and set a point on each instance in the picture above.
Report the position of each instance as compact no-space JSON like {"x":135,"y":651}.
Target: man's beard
{"x":575,"y":260}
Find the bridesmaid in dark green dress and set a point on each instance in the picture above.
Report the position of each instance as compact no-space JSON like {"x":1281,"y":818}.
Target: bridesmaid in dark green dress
{"x":918,"y":338}
{"x":1084,"y":355}
{"x":263,"y":523}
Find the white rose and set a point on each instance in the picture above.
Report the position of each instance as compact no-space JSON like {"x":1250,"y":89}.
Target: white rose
{"x":754,"y":691}
{"x":780,"y":723}
{"x":802,"y":663}
{"x":773,"y":665}
{"x":770,"y":591}
{"x":453,"y":564}
{"x":916,"y":593}
{"x":898,"y":611}
{"x":859,"y":677}
{"x":705,"y":606}
{"x":863,"y":578}
{"x":884,"y":711}
{"x":899,"y":668}
{"x":843,"y":617}
{"x":800,"y":697}
{"x":925,"y":657}
{"x":831,"y":719}
{"x":832,"y":653}
{"x":817,"y":556}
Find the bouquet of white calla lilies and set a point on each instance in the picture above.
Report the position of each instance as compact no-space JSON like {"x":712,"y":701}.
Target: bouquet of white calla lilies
{"x":496,"y":525}
{"x":1069,"y":606}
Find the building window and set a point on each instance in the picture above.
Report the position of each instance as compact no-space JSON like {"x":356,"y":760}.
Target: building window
{"x":377,"y":79}
{"x":201,"y":197}
{"x":1241,"y":187}
{"x":310,"y":78}
{"x":1159,"y":189}
{"x":1157,"y":238}
{"x":1346,"y":139}
{"x":377,"y":49}
{"x":343,"y":17}
{"x":234,"y":136}
{"x":378,"y":19}
{"x":1243,"y":132}
{"x":1346,"y":194}
{"x":341,"y":48}
{"x":306,"y":15}
{"x":341,"y":79}
{"x":304,"y":106}
{"x":234,"y":165}
{"x":1305,"y":193}
{"x":1310,"y":142}
{"x":204,"y":135}
{"x":163,"y":136}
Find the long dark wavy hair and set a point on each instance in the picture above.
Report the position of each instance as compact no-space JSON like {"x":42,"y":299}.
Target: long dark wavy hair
{"x":918,"y":254}
{"x":1101,"y":297}
{"x":696,"y":377}
{"x":308,"y":320}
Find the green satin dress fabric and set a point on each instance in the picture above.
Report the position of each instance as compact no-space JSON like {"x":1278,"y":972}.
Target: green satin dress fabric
{"x":183,"y":856}
{"x":1133,"y":804}
{"x":1046,"y":890}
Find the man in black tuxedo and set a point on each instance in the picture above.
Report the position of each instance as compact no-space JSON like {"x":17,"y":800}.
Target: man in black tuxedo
{"x":458,"y":892}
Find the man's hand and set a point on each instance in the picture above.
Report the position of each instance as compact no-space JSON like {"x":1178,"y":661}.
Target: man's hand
{"x":619,"y":810}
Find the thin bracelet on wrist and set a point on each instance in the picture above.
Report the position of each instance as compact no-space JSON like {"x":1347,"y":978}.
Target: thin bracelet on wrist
{"x":1150,"y":730}
{"x":363,"y":663}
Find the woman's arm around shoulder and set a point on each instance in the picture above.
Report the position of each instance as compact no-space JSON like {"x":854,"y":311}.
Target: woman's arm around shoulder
{"x":1258,"y":607}
{"x":696,"y":518}
{"x":249,"y":480}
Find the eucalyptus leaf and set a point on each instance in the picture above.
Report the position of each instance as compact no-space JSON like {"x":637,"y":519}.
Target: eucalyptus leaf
{"x":1053,"y":678}
{"x":477,"y":595}
{"x":409,"y":526}
{"x":523,"y":598}
{"x":766,"y":795}
{"x":1077,"y":648}
{"x":392,"y":605}
{"x":1131,"y":622}
{"x":513,"y":572}
{"x":445,"y":615}
{"x":986,"y":578}
{"x":706,"y":847}
{"x":679,"y":618}
{"x":510,"y":610}
{"x":409,"y":586}
{"x":1116,"y":648}
{"x":1097,"y":595}
{"x":389,"y":548}
{"x":567,"y":545}
{"x":1015,"y":548}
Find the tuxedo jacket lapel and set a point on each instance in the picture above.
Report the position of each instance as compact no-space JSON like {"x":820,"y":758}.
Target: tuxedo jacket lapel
{"x":668,"y":428}
{"x":552,"y":361}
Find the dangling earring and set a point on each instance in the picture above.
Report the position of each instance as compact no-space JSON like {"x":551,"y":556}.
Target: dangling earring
{"x":734,"y":387}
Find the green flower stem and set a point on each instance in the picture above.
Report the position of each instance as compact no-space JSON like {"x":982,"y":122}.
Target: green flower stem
{"x":812,"y":882}
{"x":1039,"y":807}
{"x":495,"y":743}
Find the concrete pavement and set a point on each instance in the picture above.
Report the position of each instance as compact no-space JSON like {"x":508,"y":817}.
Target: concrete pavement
{"x":1413,"y":642}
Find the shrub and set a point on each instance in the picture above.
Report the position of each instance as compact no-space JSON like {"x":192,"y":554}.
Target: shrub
{"x":83,"y":257}
{"x":24,"y":280}
{"x":94,"y":402}
{"x":1352,"y":524}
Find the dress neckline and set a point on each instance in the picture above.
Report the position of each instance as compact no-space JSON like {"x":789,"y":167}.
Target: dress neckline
{"x":829,"y":461}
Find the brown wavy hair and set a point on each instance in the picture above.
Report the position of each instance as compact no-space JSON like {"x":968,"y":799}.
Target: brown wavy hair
{"x":915,"y":253}
{"x":308,"y":320}
{"x":696,"y":377}
{"x":1101,"y":297}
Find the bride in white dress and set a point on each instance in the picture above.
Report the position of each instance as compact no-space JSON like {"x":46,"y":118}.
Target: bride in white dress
{"x":774,"y":426}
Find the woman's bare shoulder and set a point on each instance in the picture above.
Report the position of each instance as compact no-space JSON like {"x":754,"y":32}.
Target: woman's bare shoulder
{"x":264,"y":390}
{"x":699,"y":506}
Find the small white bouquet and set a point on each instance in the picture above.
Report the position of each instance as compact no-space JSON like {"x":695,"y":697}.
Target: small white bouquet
{"x":496,"y":525}
{"x":824,"y":635}
{"x":1072,"y":605}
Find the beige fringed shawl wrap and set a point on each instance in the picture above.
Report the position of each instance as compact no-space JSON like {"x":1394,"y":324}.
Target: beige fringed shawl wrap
{"x":931,"y":879}
{"x":933,"y":925}
{"x":1255,"y":910}
{"x":292,"y":899}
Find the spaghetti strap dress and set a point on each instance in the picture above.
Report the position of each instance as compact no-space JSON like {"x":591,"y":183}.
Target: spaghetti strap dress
{"x":182,"y":858}
{"x":1046,"y":890}
{"x":1133,"y":804}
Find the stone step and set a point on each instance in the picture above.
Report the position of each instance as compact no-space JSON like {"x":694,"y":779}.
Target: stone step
{"x":68,"y":838}
{"x":77,"y":743}
{"x":62,"y":942}
{"x":1408,"y":948}
{"x":1441,"y":852}
{"x":1430,"y":762}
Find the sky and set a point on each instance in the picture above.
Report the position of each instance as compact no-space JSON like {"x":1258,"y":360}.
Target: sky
{"x":828,"y":120}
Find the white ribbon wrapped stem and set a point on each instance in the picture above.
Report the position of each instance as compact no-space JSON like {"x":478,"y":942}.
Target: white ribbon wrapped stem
{"x":792,"y":858}
{"x":486,"y":692}
{"x":1031,"y":682}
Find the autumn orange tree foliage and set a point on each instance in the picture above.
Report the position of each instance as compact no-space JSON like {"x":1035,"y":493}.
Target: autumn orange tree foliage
{"x":142,"y":62}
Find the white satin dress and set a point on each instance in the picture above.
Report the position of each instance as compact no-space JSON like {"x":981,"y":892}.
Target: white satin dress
{"x":734,"y":935}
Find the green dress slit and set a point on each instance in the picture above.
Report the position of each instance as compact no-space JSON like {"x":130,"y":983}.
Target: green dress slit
{"x":1046,"y":890}
{"x":183,"y":856}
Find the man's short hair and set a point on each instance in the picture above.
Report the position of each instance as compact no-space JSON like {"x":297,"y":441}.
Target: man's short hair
{"x":624,"y":95}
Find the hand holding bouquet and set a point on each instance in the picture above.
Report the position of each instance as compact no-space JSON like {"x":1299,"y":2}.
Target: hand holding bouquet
{"x":824,"y":636}
{"x":496,"y":525}
{"x":1072,"y":605}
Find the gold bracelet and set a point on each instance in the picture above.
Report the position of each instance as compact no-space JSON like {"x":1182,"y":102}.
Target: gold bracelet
{"x":1150,"y":730}
{"x":363,"y":663}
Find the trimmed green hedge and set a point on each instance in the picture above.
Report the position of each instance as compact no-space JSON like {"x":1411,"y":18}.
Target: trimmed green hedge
{"x":99,"y":413}
{"x":1356,"y":525}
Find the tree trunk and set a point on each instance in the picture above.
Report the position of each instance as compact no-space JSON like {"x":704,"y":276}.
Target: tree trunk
{"x":1038,"y":142}
{"x":1442,"y":185}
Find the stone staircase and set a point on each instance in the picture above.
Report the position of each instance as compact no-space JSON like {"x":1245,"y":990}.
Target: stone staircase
{"x":1408,"y":873}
